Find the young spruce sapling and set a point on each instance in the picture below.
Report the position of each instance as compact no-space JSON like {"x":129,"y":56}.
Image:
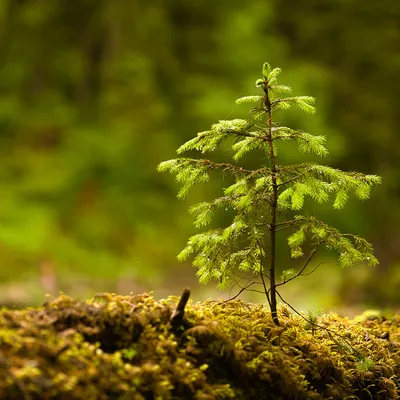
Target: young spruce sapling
{"x":263,"y":199}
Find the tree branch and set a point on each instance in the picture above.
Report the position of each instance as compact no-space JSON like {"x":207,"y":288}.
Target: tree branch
{"x":241,"y":291}
{"x":329,"y":331}
{"x":211,"y":164}
{"x":247,"y":135}
{"x":310,"y":257}
{"x":286,"y":223}
{"x":290,"y":180}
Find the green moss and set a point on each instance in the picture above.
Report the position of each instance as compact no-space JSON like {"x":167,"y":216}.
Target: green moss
{"x":123,"y":347}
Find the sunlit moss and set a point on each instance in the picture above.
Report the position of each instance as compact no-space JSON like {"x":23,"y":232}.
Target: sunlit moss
{"x":124,"y":347}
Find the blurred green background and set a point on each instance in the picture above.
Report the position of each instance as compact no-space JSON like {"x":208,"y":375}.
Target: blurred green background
{"x":95,"y":93}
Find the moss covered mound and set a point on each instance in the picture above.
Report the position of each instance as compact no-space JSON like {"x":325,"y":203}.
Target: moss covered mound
{"x":124,"y":347}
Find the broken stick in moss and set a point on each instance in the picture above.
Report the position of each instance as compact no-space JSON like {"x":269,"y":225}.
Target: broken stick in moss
{"x":176,"y":319}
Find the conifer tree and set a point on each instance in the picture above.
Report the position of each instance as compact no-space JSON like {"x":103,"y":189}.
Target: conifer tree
{"x":264,"y":199}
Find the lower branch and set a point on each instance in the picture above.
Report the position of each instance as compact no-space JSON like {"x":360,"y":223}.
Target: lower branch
{"x":310,"y":257}
{"x":241,"y":291}
{"x":330,"y":332}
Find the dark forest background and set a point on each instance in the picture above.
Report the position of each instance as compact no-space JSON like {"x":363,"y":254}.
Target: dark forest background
{"x":95,"y":93}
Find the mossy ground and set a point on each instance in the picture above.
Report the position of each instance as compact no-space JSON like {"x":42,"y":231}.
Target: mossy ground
{"x":123,"y":347}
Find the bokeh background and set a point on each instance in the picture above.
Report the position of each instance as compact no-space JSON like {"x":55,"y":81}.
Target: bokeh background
{"x":95,"y":93}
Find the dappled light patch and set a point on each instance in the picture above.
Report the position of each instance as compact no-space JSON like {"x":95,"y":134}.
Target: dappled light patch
{"x":124,"y":347}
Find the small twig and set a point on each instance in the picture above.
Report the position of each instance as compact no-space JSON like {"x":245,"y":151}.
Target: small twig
{"x":176,"y":319}
{"x":241,"y":291}
{"x":315,"y":268}
{"x":291,"y":180}
{"x":248,"y":278}
{"x":256,"y":291}
{"x":237,"y":282}
{"x":330,"y":332}
{"x":286,"y":222}
{"x":300,"y":273}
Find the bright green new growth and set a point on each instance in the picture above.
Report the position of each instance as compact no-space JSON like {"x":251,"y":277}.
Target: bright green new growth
{"x":262,"y":197}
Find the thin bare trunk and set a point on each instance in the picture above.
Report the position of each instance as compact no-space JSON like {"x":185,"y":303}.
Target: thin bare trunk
{"x":274,"y":206}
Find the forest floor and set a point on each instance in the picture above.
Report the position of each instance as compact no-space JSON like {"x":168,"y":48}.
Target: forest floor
{"x":127,"y":347}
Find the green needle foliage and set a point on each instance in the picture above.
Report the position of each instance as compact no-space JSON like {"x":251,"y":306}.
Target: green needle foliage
{"x":263,"y":198}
